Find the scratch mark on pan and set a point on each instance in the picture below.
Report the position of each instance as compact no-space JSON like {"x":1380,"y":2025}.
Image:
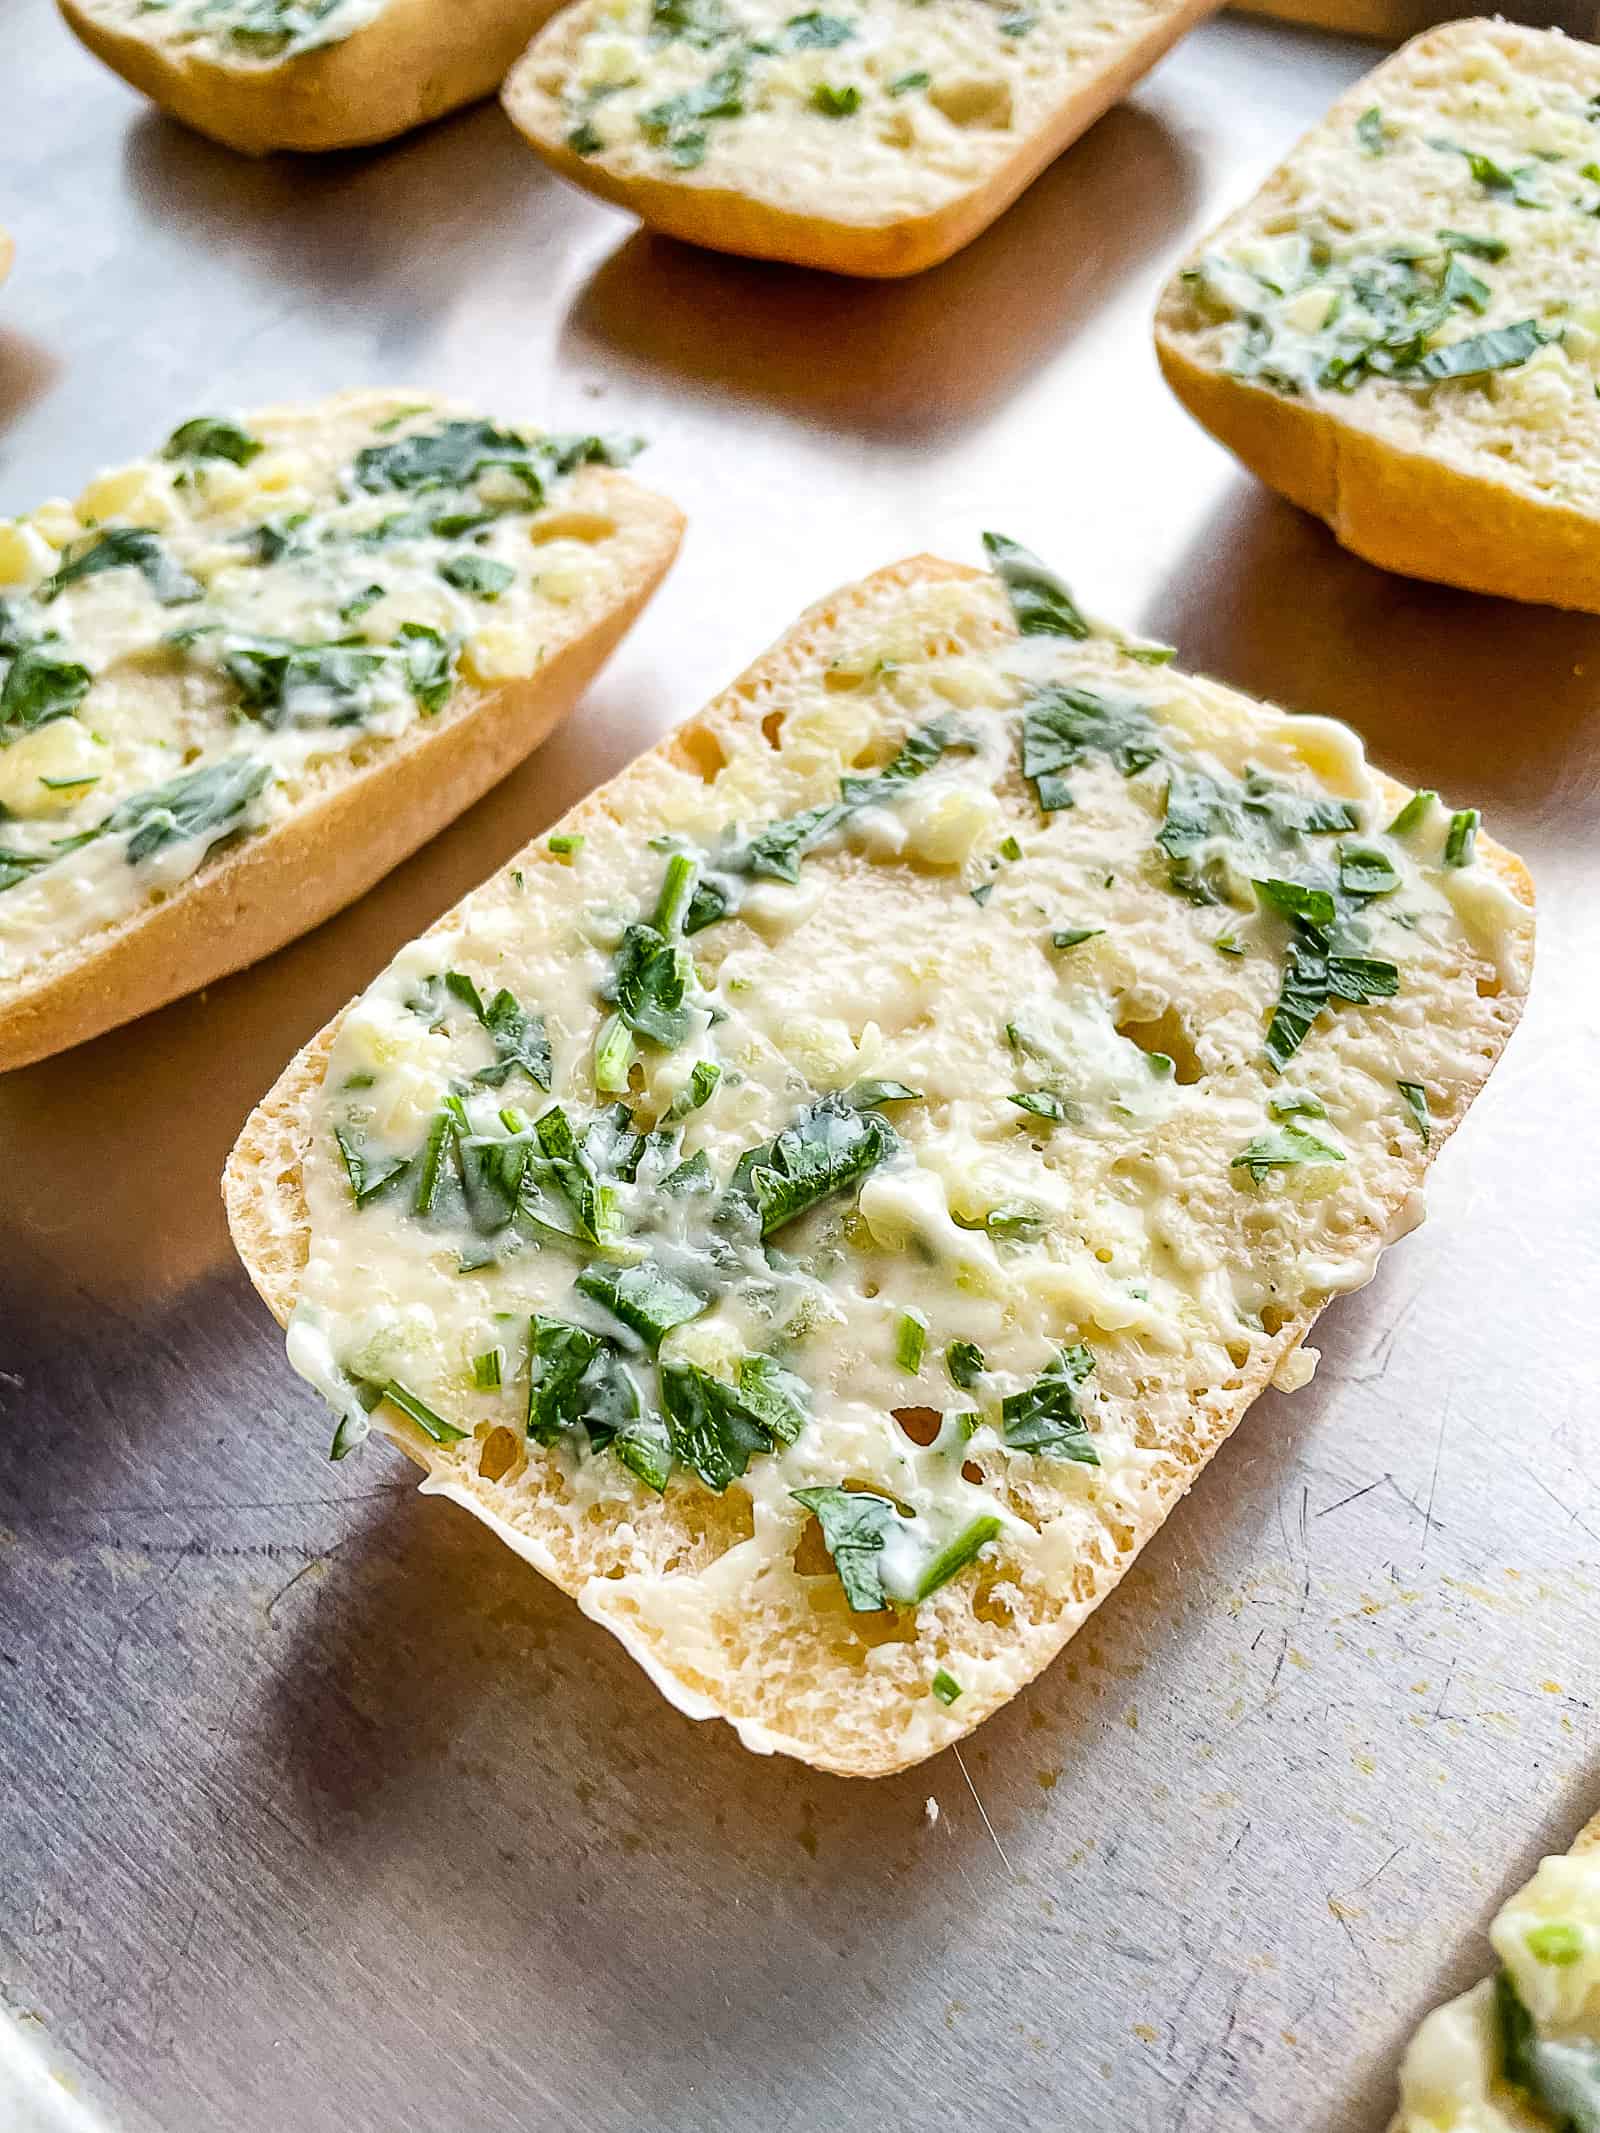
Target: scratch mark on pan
{"x":1354,"y":1496}
{"x":1572,"y":1515}
{"x":1433,"y":1483}
{"x":988,"y":1825}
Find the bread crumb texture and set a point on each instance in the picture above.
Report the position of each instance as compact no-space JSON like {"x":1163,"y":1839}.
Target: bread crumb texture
{"x":213,"y":639}
{"x":1415,"y":289}
{"x":868,"y":113}
{"x":823,"y":1204}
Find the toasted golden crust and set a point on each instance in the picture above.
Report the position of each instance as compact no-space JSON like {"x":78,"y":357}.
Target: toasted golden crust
{"x":267,"y":1212}
{"x":276,"y":885}
{"x":414,"y":62}
{"x":1441,"y":512}
{"x":725,"y":219}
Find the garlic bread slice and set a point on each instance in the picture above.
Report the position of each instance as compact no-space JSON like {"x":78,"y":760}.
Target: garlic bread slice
{"x":242,"y":679}
{"x":1400,"y":331}
{"x":260,"y":75}
{"x":1520,"y":2053}
{"x":871,"y":137}
{"x":824,"y":1204}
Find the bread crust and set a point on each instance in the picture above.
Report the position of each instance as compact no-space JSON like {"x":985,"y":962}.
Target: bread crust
{"x":275,"y":885}
{"x":724,"y":219}
{"x":416,"y":61}
{"x":1414,"y":512}
{"x":263,"y":1191}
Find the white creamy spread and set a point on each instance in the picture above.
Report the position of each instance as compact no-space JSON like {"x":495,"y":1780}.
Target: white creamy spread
{"x":206,"y":636}
{"x":1428,"y":264}
{"x":677,"y":1173}
{"x":871,"y":105}
{"x":1519,"y":2053}
{"x":266,"y":31}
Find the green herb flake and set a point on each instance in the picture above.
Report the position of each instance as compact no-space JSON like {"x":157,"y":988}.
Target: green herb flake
{"x":1074,"y":936}
{"x":1414,"y":813}
{"x":1039,"y":1103}
{"x":488,"y":1370}
{"x":478,"y":575}
{"x":1040,"y":601}
{"x":836,"y":103}
{"x":1291,"y":1147}
{"x":1558,"y":1942}
{"x":566,"y":844}
{"x":1461,"y":839}
{"x":1371,"y":132}
{"x":910,"y":1341}
{"x":212,"y":437}
{"x":125,"y":548}
{"x":964,"y":1362}
{"x":945,"y":1687}
{"x":431,"y":1425}
{"x":1046,"y":1417}
{"x":1415,"y":1098}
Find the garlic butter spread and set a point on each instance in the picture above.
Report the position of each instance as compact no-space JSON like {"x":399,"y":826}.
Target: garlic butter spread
{"x":869,"y":109}
{"x":1429,"y":264}
{"x":902,"y":1118}
{"x":266,"y":31}
{"x":1520,"y":2053}
{"x":208,"y":636}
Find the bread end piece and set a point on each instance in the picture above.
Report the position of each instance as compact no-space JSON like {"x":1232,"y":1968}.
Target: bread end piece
{"x":411,"y":64}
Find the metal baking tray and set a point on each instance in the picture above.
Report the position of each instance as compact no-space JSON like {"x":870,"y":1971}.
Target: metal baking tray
{"x":319,"y":1811}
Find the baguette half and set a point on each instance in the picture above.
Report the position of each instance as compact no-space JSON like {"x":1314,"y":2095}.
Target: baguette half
{"x":398,"y":65}
{"x":962,"y":930}
{"x":1519,"y":2053}
{"x":874,"y":138}
{"x":302,"y":664}
{"x":1398,"y":332}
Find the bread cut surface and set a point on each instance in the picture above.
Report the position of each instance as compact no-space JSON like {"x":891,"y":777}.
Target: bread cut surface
{"x":1520,"y":2053}
{"x":1400,"y":332}
{"x":881,"y":1074}
{"x":870,"y":137}
{"x":260,"y":75}
{"x":243,"y":678}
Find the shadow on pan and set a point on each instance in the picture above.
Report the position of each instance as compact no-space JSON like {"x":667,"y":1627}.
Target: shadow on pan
{"x":415,"y":216}
{"x":27,"y":371}
{"x":1489,"y":700}
{"x":930,"y":353}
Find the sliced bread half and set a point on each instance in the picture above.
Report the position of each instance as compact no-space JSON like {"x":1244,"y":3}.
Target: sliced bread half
{"x":823,"y":1205}
{"x":242,"y":679}
{"x":260,"y":75}
{"x":1399,"y":331}
{"x":872,"y":137}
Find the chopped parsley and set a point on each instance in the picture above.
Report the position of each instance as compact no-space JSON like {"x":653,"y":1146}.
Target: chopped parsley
{"x":858,"y":1524}
{"x":1046,"y":1416}
{"x":212,"y":437}
{"x":1040,"y":601}
{"x":1290,"y":1147}
{"x":828,"y":1149}
{"x":1415,"y":1098}
{"x":125,"y":548}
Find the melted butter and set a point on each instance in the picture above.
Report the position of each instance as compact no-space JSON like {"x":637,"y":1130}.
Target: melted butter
{"x":1125,"y":1225}
{"x":348,"y":574}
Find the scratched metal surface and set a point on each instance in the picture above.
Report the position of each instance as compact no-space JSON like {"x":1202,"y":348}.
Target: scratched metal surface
{"x":320,"y":1811}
